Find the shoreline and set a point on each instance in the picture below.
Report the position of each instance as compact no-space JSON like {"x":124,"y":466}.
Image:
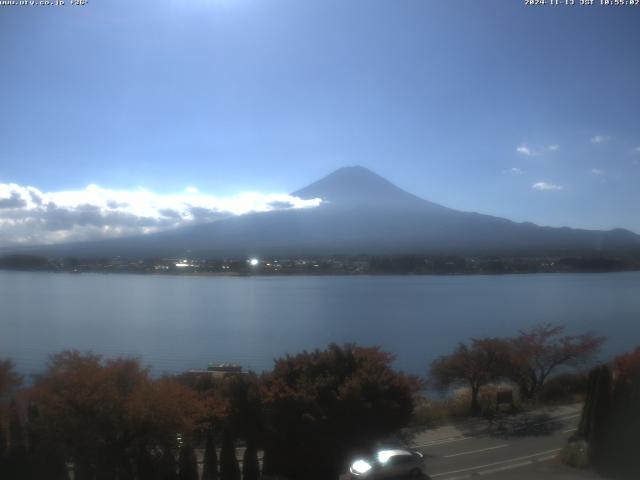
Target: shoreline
{"x":317,"y":274}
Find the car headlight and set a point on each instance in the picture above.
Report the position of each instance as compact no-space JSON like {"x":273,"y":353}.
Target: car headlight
{"x":361,"y":466}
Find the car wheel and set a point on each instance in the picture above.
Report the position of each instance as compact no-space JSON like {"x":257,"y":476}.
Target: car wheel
{"x":416,"y":473}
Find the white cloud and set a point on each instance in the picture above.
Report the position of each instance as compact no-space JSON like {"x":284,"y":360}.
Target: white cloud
{"x":524,"y":150}
{"x":597,"y":171}
{"x":31,"y":216}
{"x":546,"y":186}
{"x":515,"y":171}
{"x":600,"y":139}
{"x":531,"y":152}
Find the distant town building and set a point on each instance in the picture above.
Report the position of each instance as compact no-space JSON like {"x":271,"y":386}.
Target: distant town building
{"x":218,"y":371}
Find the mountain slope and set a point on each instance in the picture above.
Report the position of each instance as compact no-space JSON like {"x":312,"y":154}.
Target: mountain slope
{"x":361,"y":212}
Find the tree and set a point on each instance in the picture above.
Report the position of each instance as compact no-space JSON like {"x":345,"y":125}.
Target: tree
{"x":611,"y":418}
{"x":3,"y":452}
{"x":103,"y":413}
{"x":16,"y":429}
{"x":9,"y":379}
{"x":210,"y":462}
{"x":229,"y":468}
{"x":620,"y":446}
{"x":483,"y":362}
{"x":593,"y":423}
{"x":242,"y":406}
{"x":167,"y":465}
{"x":17,"y":464}
{"x":323,"y":405}
{"x":250,"y":464}
{"x":539,"y":351}
{"x":46,"y":457}
{"x":187,"y":463}
{"x":147,"y":465}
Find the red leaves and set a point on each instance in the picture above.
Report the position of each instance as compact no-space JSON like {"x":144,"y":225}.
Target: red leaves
{"x":543,"y":348}
{"x":527,"y":359}
{"x":88,"y":402}
{"x":628,"y":365}
{"x":322,"y":404}
{"x":478,"y":364}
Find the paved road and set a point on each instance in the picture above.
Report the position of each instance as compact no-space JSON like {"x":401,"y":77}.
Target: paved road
{"x":522,"y":447}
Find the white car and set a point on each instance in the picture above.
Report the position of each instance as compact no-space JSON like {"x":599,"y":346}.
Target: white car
{"x":388,"y":464}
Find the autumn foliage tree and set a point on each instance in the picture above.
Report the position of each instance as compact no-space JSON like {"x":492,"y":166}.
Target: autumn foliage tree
{"x":475,"y":365}
{"x":109,"y":414}
{"x":232,"y":405}
{"x":323,"y":405}
{"x":9,"y":379}
{"x":541,"y":350}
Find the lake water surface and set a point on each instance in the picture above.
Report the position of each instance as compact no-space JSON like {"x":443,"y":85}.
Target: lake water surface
{"x":179,"y":322}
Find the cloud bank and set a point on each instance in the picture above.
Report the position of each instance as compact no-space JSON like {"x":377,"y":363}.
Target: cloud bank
{"x":29,"y":216}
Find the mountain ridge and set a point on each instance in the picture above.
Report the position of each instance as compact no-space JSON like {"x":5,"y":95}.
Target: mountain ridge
{"x":357,"y":185}
{"x":360,"y":213}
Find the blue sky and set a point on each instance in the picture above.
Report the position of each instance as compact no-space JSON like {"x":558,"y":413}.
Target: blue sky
{"x":468,"y":103}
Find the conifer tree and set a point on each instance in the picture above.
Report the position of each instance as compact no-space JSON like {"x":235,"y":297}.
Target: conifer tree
{"x":17,"y":441}
{"x":168,"y":468}
{"x":3,"y":452}
{"x":229,"y":468}
{"x":146,"y":465}
{"x":187,"y":463}
{"x":16,"y":465}
{"x":210,"y":467}
{"x":250,"y":465}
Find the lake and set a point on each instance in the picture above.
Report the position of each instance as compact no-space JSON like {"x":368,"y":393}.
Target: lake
{"x":179,"y":322}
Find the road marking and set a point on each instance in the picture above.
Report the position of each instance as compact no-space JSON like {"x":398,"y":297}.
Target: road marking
{"x":569,"y":430}
{"x":516,"y":465}
{"x":442,"y":441}
{"x":568,"y":416}
{"x":516,"y":459}
{"x":476,"y":451}
{"x":506,"y":467}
